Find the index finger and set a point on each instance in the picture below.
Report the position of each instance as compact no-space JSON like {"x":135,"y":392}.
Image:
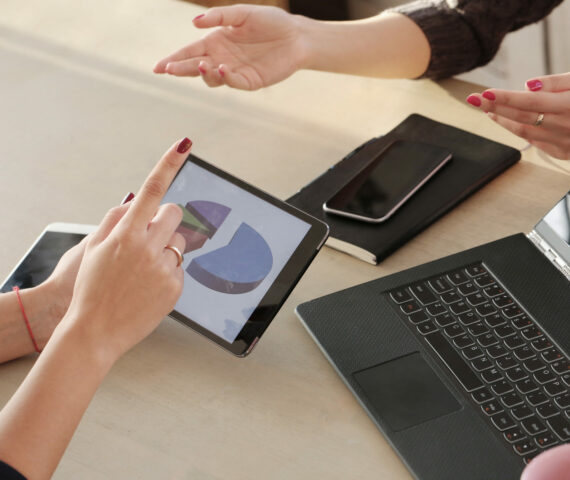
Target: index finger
{"x":193,"y":50}
{"x":533,"y":101}
{"x":148,"y":199}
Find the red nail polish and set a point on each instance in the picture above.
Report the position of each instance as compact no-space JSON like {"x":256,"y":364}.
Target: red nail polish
{"x":473,"y":100}
{"x":128,"y":198}
{"x":221,"y":72}
{"x":198,"y":17}
{"x":488,"y":95}
{"x":201,"y":69}
{"x":184,"y":145}
{"x":534,"y":85}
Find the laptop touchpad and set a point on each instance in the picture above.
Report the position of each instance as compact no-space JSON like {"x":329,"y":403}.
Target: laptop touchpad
{"x":405,"y":392}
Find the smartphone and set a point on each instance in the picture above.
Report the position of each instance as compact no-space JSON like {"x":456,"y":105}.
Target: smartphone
{"x":42,"y":257}
{"x":393,"y":175}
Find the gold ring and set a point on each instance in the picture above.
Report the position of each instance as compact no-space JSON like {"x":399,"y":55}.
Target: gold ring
{"x":177,"y":253}
{"x":539,"y":120}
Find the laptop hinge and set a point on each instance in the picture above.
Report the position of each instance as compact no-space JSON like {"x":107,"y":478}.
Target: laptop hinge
{"x":545,"y":248}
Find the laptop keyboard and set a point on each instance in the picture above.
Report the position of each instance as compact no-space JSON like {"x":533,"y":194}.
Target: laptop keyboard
{"x":516,"y":376}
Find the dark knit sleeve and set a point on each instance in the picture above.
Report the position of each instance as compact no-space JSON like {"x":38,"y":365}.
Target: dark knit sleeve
{"x":8,"y":473}
{"x":465,"y":34}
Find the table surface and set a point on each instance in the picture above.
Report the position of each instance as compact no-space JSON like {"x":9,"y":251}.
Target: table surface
{"x":83,"y":119}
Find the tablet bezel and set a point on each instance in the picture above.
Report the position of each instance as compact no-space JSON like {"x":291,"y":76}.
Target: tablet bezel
{"x":280,"y":289}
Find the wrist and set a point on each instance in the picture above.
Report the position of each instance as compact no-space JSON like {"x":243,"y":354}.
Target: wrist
{"x":307,"y":29}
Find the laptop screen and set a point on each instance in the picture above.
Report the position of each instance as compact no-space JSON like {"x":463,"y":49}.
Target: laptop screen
{"x":555,"y":228}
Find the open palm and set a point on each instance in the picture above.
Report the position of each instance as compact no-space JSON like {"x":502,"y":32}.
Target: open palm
{"x":253,"y":47}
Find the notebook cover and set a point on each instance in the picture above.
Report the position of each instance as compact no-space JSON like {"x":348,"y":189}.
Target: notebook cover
{"x":476,"y":161}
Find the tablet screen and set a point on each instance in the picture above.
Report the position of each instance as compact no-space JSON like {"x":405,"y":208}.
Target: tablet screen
{"x":236,"y":246}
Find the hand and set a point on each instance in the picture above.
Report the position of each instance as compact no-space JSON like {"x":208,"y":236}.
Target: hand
{"x":519,"y":112}
{"x":255,"y":47}
{"x":128,"y":282}
{"x":554,"y":464}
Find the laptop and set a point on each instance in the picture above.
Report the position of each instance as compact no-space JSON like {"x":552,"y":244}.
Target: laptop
{"x":463,"y":362}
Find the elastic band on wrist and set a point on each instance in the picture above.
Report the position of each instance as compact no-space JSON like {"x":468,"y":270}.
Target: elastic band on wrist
{"x":17,"y":290}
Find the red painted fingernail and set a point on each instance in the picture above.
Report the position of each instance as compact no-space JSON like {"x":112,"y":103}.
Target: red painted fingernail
{"x":184,"y":145}
{"x":198,"y":17}
{"x":128,"y":198}
{"x":221,"y":72}
{"x":488,"y":95}
{"x":534,"y":85}
{"x":202,"y":69}
{"x":474,"y":100}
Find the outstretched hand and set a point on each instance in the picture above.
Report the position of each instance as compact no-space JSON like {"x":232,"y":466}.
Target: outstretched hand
{"x":254,"y":47}
{"x":540,"y":115}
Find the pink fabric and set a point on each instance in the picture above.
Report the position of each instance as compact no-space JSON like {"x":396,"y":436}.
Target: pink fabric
{"x":554,"y":464}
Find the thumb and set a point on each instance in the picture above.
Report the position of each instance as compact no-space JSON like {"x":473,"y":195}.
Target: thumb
{"x":231,"y":16}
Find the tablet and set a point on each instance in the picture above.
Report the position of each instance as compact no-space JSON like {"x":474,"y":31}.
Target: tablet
{"x":245,"y":251}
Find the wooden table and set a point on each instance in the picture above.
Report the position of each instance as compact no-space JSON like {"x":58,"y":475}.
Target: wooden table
{"x":83,"y":120}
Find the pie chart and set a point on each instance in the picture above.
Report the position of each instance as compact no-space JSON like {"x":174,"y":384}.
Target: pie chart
{"x":238,"y":267}
{"x":200,"y":221}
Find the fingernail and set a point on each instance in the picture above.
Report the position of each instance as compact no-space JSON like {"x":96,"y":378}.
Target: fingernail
{"x":128,"y":197}
{"x":488,"y":95}
{"x":184,"y":145}
{"x":202,"y":69}
{"x":474,"y":100}
{"x":221,"y":71}
{"x":534,"y":85}
{"x":198,"y":17}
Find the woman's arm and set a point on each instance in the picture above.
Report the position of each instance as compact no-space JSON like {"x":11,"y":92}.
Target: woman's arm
{"x":127,"y":283}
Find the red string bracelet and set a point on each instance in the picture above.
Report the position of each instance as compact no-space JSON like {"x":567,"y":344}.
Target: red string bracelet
{"x":17,"y":290}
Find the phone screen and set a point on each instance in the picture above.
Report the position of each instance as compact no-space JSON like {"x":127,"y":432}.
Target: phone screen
{"x":392,"y":177}
{"x":41,"y":260}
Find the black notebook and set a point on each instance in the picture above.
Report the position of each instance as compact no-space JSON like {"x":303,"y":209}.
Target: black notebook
{"x":476,"y":161}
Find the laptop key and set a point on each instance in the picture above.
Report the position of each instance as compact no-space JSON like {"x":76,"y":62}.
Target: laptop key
{"x":546,"y":440}
{"x":522,"y":447}
{"x":505,"y":331}
{"x":501,"y":387}
{"x":551,"y":355}
{"x":533,"y":364}
{"x":496,"y":351}
{"x":529,"y":456}
{"x":477,"y":329}
{"x":492,"y":407}
{"x":440,"y":285}
{"x":454,"y":330}
{"x":530,"y":333}
{"x":476,"y":299}
{"x":536,"y":398}
{"x":409,"y":307}
{"x":485,"y":309}
{"x":526,"y":386}
{"x":513,"y":434}
{"x":482,"y":395}
{"x":503,"y":301}
{"x":544,"y":376}
{"x":494,"y":320}
{"x":400,"y":296}
{"x":480,"y":364}
{"x":472,"y":352}
{"x":426,"y":327}
{"x":541,"y":344}
{"x":468,"y":318}
{"x":444,"y":320}
{"x":524,"y":353}
{"x":521,"y":322}
{"x":492,"y":375}
{"x":436,"y":309}
{"x":458,"y":277}
{"x":521,"y":412}
{"x":454,"y":362}
{"x":514,"y":342}
{"x":506,"y":362}
{"x":463,"y":341}
{"x":484,"y":280}
{"x":560,"y":427}
{"x":423,"y":293}
{"x":475,"y":270}
{"x":487,"y":340}
{"x":561,"y":366}
{"x":547,"y":410}
{"x":512,"y":311}
{"x":418,"y":317}
{"x":450,"y":297}
{"x":563,"y":401}
{"x":511,"y":400}
{"x":459,"y":307}
{"x":467,"y":288}
{"x":493,"y":291}
{"x":533,"y":425}
{"x":516,"y":374}
{"x":502,"y":421}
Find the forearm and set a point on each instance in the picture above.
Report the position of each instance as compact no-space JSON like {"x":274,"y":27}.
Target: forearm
{"x":39,"y":420}
{"x":389,"y":45}
{"x":43,"y":314}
